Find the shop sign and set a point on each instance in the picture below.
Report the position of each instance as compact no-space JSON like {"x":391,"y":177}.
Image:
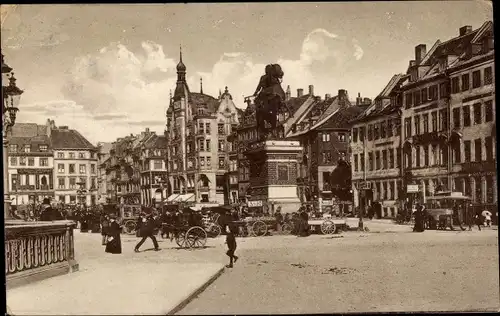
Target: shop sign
{"x":412,"y":188}
{"x":257,"y":203}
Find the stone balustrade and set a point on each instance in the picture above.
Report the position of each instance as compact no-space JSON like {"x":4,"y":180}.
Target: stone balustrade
{"x":38,"y":250}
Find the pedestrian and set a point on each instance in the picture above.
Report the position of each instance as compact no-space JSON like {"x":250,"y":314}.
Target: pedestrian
{"x":479,"y":220}
{"x":279,"y":219}
{"x":419,"y":220}
{"x":49,"y":213}
{"x":104,"y":227}
{"x":304,"y":226}
{"x":147,"y":229}
{"x":113,"y":240}
{"x":487,"y":218}
{"x":231,"y":245}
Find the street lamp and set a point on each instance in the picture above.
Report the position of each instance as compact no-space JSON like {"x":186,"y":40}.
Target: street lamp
{"x":11,"y":95}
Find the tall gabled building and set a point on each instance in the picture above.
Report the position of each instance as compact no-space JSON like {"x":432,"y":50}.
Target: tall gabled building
{"x":198,"y":157}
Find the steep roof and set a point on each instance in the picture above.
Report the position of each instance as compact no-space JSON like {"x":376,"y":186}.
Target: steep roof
{"x":69,"y":139}
{"x":343,"y":117}
{"x":197,"y":99}
{"x":390,"y":86}
{"x":28,"y":130}
{"x":157,"y":141}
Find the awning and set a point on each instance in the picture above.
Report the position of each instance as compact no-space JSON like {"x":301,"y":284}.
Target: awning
{"x":172,"y":197}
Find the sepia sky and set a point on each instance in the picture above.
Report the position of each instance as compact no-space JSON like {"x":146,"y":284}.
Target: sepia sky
{"x":107,"y":70}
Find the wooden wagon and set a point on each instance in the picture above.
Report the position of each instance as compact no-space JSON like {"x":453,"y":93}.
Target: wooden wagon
{"x":254,"y":226}
{"x":327,"y":225}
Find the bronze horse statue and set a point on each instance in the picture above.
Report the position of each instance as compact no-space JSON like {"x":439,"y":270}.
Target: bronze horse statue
{"x":270,"y":97}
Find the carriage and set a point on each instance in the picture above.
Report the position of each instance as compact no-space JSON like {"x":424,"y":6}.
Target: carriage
{"x":191,"y":232}
{"x":129,"y":213}
{"x":254,"y":226}
{"x":327,"y":225}
{"x":440,"y":209}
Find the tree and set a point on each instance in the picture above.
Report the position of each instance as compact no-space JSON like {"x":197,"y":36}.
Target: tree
{"x":340,"y":181}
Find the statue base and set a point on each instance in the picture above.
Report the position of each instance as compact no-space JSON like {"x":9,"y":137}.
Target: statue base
{"x":273,"y":175}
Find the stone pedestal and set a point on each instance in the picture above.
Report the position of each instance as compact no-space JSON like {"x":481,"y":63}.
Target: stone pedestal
{"x":273,"y":175}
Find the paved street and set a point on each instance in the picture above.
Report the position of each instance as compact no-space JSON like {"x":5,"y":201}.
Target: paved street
{"x":358,"y":272}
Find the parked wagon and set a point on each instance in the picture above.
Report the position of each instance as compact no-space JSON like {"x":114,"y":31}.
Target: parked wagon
{"x":327,"y":225}
{"x":255,"y":226}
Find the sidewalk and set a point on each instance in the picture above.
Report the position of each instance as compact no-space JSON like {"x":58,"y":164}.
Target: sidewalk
{"x":127,"y":284}
{"x":379,"y":225}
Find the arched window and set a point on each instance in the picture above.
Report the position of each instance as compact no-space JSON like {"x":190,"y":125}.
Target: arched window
{"x":44,"y":180}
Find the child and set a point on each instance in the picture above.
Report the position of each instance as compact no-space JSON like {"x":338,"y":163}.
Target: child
{"x":231,"y":245}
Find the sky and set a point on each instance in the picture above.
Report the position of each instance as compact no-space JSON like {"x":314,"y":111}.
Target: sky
{"x":107,"y":70}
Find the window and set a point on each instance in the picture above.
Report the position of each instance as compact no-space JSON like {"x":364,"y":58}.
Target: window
{"x":416,"y":95}
{"x":355,"y":158}
{"x":465,"y":82}
{"x":443,"y":89}
{"x":488,"y":144}
{"x":31,"y":161}
{"x":72,"y":183}
{"x":434,"y":153}
{"x":220,"y":146}
{"x":361,"y":134}
{"x":407,"y":127}
{"x":93,"y":185}
{"x":370,"y":132}
{"x":433,"y":92}
{"x":44,"y":162}
{"x":221,"y":163}
{"x":477,"y":113}
{"x":61,"y":183}
{"x":207,"y":142}
{"x":408,"y":99}
{"x":43,"y":148}
{"x":201,"y":128}
{"x":426,"y":156}
{"x":393,"y":190}
{"x":157,"y":164}
{"x":83,"y":183}
{"x":60,"y":155}
{"x":92,"y":169}
{"x":282,"y":173}
{"x":92,"y":155}
{"x":391,"y":158}
{"x":466,"y":111}
{"x":456,"y":153}
{"x":220,"y":129}
{"x":382,"y":129}
{"x":443,"y":119}
{"x":377,"y":160}
{"x":13,"y":148}
{"x":72,"y":155}
{"x":488,"y":75}
{"x":424,"y":95}
{"x":398,"y":157}
{"x":385,"y":163}
{"x":83,"y":169}
{"x":202,"y":161}
{"x":207,"y":128}
{"x":342,"y":155}
{"x":425,"y":119}
{"x":22,"y":161}
{"x":455,"y":85}
{"x":81,"y":155}
{"x":60,"y":168}
{"x":456,"y":118}
{"x":354,"y":135}
{"x":476,"y":79}
{"x":13,"y":161}
{"x":488,"y":111}
{"x":370,"y":161}
{"x":326,"y":137}
{"x":362,"y":162}
{"x":478,"y":150}
{"x":417,"y":125}
{"x":467,"y":151}
{"x":202,"y":144}
{"x":209,"y":161}
{"x":434,"y":118}
{"x":389,"y":128}
{"x":417,"y":156}
{"x":72,"y":168}
{"x":27,"y":148}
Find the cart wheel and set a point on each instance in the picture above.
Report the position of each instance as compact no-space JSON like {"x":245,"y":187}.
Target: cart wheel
{"x":180,"y":239}
{"x":259,"y":228}
{"x":214,"y":230}
{"x":286,"y":229}
{"x":196,"y":237}
{"x":129,"y":227}
{"x":328,"y":227}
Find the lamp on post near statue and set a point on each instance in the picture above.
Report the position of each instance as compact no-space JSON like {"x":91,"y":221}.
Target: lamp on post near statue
{"x":11,"y":95}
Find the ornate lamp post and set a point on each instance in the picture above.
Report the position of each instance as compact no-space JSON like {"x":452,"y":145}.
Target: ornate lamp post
{"x":11,"y":95}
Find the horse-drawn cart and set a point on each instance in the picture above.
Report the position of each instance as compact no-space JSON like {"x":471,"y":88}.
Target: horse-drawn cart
{"x":254,"y":226}
{"x":327,"y":225}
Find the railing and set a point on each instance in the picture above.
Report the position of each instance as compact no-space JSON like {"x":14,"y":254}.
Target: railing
{"x":38,"y":251}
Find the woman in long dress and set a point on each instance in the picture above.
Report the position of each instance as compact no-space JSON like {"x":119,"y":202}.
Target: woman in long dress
{"x":114,"y":243}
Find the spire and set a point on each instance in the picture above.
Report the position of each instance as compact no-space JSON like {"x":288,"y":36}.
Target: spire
{"x":181,"y":68}
{"x":201,"y":85}
{"x":220,"y":93}
{"x":180,"y":53}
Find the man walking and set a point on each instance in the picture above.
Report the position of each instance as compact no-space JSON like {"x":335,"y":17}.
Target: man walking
{"x":147,"y":229}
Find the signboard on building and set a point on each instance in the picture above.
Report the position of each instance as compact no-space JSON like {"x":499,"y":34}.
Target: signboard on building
{"x":412,"y":188}
{"x":327,"y":202}
{"x":257,"y":203}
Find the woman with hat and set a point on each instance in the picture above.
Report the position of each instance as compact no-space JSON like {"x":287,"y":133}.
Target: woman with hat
{"x":113,"y":242}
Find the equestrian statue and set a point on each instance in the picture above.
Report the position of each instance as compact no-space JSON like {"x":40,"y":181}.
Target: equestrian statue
{"x":269,"y":100}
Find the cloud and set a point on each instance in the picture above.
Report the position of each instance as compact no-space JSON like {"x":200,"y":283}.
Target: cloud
{"x":116,"y":86}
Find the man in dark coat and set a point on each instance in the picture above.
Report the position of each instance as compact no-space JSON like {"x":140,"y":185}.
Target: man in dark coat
{"x":113,"y":240}
{"x":304,"y":227}
{"x":49,"y":213}
{"x":147,"y":229}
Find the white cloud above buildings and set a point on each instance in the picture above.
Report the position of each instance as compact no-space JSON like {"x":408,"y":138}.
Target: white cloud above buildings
{"x":116,"y":91}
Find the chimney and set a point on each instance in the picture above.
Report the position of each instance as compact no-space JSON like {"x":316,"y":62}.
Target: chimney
{"x":367,"y":101}
{"x":328,"y":96}
{"x":465,"y":30}
{"x":412,"y":63}
{"x":311,"y":90}
{"x":420,"y":51}
{"x":342,"y":95}
{"x":359,"y":100}
{"x":147,"y":129}
{"x":63,"y":127}
{"x":300,"y":92}
{"x":288,"y":93}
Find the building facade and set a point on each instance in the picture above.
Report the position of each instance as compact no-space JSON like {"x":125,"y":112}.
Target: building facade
{"x":103,"y":154}
{"x":198,"y":156}
{"x":31,"y":164}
